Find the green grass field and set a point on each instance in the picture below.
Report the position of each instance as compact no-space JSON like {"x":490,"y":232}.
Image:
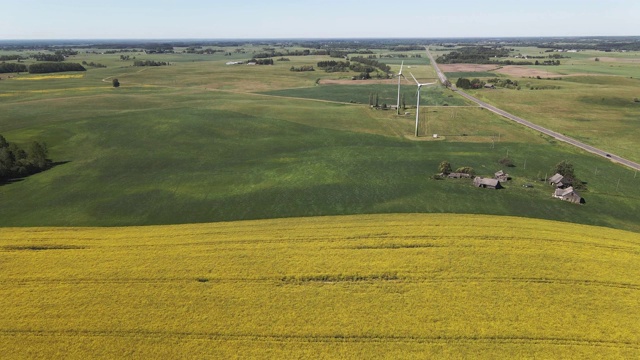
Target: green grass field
{"x":388,"y":94}
{"x":198,"y":141}
{"x":375,"y":287}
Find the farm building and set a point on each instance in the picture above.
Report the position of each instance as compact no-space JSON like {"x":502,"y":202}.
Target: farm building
{"x":487,"y":183}
{"x":569,"y":195}
{"x":501,"y":176}
{"x":556,"y":180}
{"x":459,"y":176}
{"x":489,"y":86}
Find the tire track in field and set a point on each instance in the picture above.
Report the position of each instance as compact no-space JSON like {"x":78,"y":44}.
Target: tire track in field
{"x":313,"y":338}
{"x":310,"y":279}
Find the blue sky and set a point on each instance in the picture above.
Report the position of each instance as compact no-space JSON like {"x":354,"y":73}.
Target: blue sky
{"x":172,"y":19}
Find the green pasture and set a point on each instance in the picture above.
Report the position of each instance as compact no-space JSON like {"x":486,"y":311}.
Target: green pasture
{"x":598,"y":110}
{"x":201,"y":141}
{"x":387,"y":94}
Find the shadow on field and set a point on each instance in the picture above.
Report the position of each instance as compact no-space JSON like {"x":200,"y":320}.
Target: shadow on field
{"x":10,"y":181}
{"x":20,"y":179}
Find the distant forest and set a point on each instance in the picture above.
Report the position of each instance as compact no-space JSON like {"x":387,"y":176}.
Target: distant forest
{"x":603,"y":43}
{"x":40,"y":68}
{"x":487,"y":55}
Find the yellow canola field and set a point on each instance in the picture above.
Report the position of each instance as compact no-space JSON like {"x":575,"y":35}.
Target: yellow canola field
{"x":361,"y":287}
{"x":49,"y":77}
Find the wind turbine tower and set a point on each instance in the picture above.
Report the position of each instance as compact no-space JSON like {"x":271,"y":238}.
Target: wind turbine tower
{"x":400,"y":76}
{"x":418,"y":104}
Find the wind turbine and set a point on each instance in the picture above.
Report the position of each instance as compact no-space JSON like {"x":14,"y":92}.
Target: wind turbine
{"x":400,"y":76}
{"x":418,"y":105}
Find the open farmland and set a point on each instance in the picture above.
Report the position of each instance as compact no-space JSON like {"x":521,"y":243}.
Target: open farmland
{"x":375,"y":286}
{"x":201,"y":141}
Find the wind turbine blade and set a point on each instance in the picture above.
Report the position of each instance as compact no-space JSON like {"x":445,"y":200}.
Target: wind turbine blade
{"x":401,"y":65}
{"x":414,"y":79}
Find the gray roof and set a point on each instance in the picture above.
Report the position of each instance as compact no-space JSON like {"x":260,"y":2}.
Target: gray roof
{"x":556,"y":178}
{"x":486,"y":181}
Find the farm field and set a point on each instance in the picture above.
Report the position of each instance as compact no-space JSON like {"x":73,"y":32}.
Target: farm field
{"x":200,"y":141}
{"x":592,"y":101}
{"x":369,"y":286}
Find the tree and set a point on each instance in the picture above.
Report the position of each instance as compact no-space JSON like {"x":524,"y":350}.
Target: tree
{"x":466,"y":170}
{"x":116,"y":83}
{"x":37,"y":155}
{"x":444,"y":168}
{"x":565,"y":169}
{"x":3,"y":142}
{"x":463,"y":83}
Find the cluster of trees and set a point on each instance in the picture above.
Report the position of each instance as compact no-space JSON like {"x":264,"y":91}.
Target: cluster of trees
{"x":198,"y":50}
{"x":548,"y":62}
{"x":566,"y":169}
{"x":65,"y":52}
{"x":12,"y":68}
{"x":406,"y":48}
{"x":126,"y":57}
{"x":446,"y":169}
{"x":302,"y":68}
{"x":48,"y":57}
{"x":464,"y":83}
{"x":505,"y":83}
{"x":371,"y":63}
{"x":16,"y":162}
{"x":149,"y":63}
{"x":92,"y":64}
{"x":334,"y":66}
{"x":51,"y":67}
{"x":162,"y":49}
{"x":261,"y":61}
{"x":119,"y":51}
{"x":474,"y":55}
{"x":11,"y":57}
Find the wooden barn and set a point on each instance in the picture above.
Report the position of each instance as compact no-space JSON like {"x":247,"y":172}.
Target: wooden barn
{"x":501,"y":176}
{"x":556,"y":180}
{"x":569,"y":195}
{"x":487,"y":183}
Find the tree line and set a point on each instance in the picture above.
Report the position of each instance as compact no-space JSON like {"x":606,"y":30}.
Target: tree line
{"x":149,"y":63}
{"x":334,"y":66}
{"x":52,"y":67}
{"x":40,"y":68}
{"x":371,"y":63}
{"x":48,"y":57}
{"x":16,"y":162}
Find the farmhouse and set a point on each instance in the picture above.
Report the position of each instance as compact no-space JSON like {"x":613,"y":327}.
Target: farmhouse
{"x":569,"y":195}
{"x":487,"y":183}
{"x":556,"y":180}
{"x":489,"y":86}
{"x":501,"y":176}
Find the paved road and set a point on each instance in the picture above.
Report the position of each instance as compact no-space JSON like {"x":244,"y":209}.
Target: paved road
{"x":531,"y":125}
